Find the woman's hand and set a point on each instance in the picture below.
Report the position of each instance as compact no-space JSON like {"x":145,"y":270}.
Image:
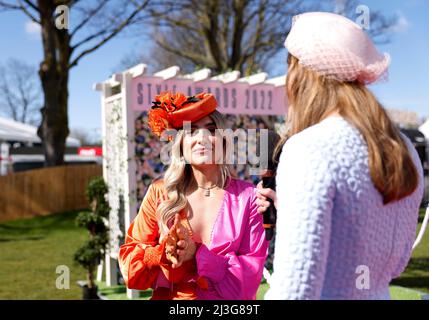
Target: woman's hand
{"x":171,"y":242}
{"x":262,"y":196}
{"x":186,"y":247}
{"x":179,"y":245}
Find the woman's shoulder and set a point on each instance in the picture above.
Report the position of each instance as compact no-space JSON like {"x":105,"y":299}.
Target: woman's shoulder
{"x":328,"y":130}
{"x":322,"y":140}
{"x":156,"y":188}
{"x":158,"y":183}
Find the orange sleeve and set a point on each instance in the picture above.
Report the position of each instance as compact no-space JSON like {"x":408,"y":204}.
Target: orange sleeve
{"x":141,"y":257}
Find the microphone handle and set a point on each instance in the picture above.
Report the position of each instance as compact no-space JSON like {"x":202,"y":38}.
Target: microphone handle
{"x":270,"y":215}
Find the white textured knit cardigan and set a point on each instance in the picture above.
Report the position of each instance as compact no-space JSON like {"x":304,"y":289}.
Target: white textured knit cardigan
{"x":335,"y":238}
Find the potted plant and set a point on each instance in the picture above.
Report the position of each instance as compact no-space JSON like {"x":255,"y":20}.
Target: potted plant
{"x":95,"y":221}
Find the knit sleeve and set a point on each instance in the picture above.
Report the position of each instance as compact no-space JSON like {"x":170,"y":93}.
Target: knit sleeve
{"x":305,"y":192}
{"x":408,"y":235}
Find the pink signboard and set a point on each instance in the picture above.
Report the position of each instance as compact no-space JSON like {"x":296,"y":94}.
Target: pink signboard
{"x":234,"y":98}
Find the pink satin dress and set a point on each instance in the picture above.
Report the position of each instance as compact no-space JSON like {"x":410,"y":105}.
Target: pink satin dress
{"x":229,"y":268}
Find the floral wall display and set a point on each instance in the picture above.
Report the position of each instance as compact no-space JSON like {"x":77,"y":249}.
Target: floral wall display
{"x":116,"y":172}
{"x":148,"y":149}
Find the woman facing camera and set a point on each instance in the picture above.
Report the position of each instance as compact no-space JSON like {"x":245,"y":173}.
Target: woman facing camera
{"x":349,"y":184}
{"x":198,"y":234}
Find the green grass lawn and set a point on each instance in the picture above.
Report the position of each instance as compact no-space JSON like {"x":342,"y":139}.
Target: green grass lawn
{"x":396,"y":293}
{"x":31,"y":249}
{"x":416,"y":275}
{"x":119,"y":292}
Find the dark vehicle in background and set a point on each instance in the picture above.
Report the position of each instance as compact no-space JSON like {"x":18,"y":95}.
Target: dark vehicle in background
{"x":419,"y":141}
{"x":25,"y":158}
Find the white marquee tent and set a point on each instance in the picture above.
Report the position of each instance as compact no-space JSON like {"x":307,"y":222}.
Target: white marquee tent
{"x":11,"y":130}
{"x":424,"y":128}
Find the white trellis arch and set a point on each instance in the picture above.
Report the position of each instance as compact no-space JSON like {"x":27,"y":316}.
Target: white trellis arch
{"x":130,"y":92}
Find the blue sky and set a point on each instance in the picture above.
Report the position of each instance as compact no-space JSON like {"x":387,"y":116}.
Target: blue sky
{"x":407,"y":88}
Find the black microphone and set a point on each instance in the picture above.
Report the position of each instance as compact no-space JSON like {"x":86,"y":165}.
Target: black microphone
{"x":268,"y":174}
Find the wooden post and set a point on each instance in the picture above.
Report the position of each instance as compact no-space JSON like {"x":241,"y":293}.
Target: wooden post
{"x":100,"y":271}
{"x":4,"y":158}
{"x":130,"y":199}
{"x":110,"y":264}
{"x":111,"y":271}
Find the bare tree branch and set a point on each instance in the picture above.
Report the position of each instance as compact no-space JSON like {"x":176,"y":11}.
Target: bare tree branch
{"x":31,"y":4}
{"x":170,"y":21}
{"x":73,"y":3}
{"x":90,"y":15}
{"x":20,"y":6}
{"x":33,"y":18}
{"x":99,"y":23}
{"x":237,"y":34}
{"x":9,"y":6}
{"x":89,"y":38}
{"x":196,"y":58}
{"x":113,"y":33}
{"x":20,"y":89}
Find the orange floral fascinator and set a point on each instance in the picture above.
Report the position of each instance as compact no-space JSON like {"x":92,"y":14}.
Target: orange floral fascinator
{"x":169,"y":110}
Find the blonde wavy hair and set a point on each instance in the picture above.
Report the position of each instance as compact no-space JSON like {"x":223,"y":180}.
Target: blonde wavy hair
{"x":178,"y":177}
{"x":313,"y":97}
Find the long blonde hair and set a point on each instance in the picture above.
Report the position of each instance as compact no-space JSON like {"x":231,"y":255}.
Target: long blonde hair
{"x":313,"y":97}
{"x":178,"y":177}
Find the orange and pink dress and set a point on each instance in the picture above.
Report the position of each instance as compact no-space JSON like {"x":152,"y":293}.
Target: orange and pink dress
{"x":228,"y":268}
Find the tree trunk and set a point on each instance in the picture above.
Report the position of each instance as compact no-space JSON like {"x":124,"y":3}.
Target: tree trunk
{"x":54,"y":74}
{"x":90,"y":278}
{"x":54,"y":127}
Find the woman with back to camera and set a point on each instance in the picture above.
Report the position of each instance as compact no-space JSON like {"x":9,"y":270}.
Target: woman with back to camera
{"x":349,"y":184}
{"x":198,"y":234}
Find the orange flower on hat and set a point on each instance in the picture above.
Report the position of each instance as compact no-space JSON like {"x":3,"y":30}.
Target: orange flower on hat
{"x":178,"y":100}
{"x":169,"y":101}
{"x":169,"y":110}
{"x":158,"y":121}
{"x":163,"y":105}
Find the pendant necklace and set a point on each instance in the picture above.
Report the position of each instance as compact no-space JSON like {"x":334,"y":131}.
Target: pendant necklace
{"x":207,"y":190}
